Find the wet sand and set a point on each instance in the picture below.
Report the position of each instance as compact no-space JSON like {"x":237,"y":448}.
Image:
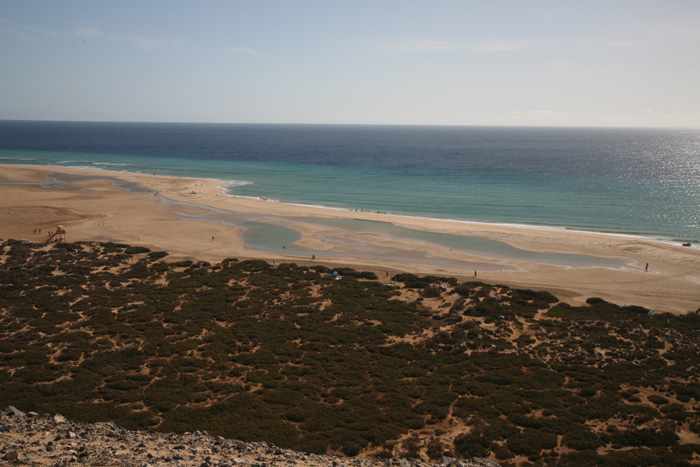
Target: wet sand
{"x":97,"y":210}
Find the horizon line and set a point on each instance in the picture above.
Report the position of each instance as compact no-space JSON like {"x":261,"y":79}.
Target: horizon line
{"x":631,"y":127}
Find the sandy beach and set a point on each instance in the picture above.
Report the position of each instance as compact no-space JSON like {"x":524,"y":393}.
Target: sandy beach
{"x":96,"y":210}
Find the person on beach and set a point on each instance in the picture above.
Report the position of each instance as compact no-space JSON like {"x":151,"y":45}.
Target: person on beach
{"x":646,"y":268}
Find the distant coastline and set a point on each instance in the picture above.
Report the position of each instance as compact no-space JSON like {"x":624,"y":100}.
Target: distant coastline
{"x":227,"y":185}
{"x":620,"y":181}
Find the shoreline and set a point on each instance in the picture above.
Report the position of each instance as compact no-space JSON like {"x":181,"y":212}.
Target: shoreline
{"x":223,"y":184}
{"x":100,"y":211}
{"x":463,"y":221}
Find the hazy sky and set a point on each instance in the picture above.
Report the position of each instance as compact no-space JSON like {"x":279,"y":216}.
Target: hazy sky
{"x":462,"y":62}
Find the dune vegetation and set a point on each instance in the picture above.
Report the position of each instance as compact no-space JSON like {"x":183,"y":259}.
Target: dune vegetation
{"x":335,"y":361}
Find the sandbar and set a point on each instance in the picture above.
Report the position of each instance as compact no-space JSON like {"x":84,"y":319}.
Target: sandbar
{"x":170,"y":214}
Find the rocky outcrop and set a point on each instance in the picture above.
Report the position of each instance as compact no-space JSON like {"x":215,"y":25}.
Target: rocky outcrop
{"x":42,"y":440}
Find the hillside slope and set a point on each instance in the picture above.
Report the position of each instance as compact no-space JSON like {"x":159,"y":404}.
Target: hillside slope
{"x":50,"y":441}
{"x":343,"y":364}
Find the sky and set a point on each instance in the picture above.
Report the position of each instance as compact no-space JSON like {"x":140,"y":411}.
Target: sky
{"x":620,"y":63}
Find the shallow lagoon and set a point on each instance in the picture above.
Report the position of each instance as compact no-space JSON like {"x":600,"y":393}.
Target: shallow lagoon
{"x":277,"y":234}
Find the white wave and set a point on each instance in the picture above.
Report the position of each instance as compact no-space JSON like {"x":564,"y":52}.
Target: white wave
{"x":83,"y":167}
{"x":111,"y":163}
{"x":233,"y":183}
{"x":258,"y":198}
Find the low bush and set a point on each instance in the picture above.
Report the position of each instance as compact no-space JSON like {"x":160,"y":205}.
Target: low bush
{"x":135,"y":250}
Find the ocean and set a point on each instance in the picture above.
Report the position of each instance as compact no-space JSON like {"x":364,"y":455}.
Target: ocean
{"x":626,"y":181}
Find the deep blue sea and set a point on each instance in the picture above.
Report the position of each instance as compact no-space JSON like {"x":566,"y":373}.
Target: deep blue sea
{"x":630,"y":181}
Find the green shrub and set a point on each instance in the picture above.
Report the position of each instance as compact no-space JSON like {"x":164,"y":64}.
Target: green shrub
{"x":471,"y":445}
{"x":531,"y":442}
{"x":581,"y":439}
{"x":645,"y":437}
{"x":431,"y":291}
{"x":135,"y":250}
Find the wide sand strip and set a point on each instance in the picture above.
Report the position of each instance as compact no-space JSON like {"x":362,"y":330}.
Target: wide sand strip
{"x":96,"y":210}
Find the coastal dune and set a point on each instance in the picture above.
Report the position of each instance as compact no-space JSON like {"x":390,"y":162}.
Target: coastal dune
{"x":175,"y":215}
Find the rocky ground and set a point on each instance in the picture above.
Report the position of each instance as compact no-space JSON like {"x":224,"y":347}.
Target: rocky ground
{"x":42,"y":440}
